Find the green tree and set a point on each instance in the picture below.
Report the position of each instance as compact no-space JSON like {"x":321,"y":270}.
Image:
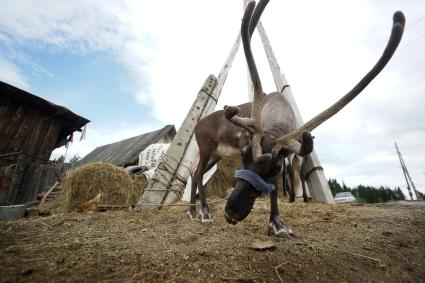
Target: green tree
{"x":335,"y":186}
{"x":57,"y":161}
{"x":399,"y":194}
{"x":75,"y":160}
{"x":368,"y":194}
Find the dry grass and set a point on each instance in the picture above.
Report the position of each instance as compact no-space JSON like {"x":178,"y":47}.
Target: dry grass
{"x":140,"y":182}
{"x":336,"y":243}
{"x":223,"y":179}
{"x":85,"y":182}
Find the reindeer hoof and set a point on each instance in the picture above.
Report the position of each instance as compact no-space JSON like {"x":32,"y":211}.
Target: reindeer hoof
{"x":280,"y":230}
{"x":206,"y":218}
{"x":192,"y":214}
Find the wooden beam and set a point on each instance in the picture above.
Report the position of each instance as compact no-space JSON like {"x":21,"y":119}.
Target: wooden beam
{"x":317,"y":182}
{"x":43,"y":199}
{"x":167,"y":171}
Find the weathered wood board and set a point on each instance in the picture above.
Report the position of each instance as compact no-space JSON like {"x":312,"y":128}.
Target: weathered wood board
{"x":167,"y":172}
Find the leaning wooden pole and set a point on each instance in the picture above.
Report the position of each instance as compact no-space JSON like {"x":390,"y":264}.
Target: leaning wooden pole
{"x":316,"y":181}
{"x":167,"y":171}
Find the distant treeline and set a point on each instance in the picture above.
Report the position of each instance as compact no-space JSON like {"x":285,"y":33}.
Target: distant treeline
{"x":368,"y":194}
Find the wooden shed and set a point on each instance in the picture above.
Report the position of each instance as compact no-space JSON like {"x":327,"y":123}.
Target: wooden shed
{"x":126,"y":152}
{"x":30,"y":129}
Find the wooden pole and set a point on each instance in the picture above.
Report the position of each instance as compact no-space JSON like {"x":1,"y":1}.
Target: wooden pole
{"x":167,"y":171}
{"x":317,"y":182}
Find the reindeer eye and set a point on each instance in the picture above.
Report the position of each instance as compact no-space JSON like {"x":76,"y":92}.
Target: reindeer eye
{"x":244,"y":151}
{"x":276,"y":170}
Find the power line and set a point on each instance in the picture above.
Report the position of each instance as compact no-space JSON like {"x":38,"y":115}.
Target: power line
{"x":415,"y":22}
{"x":405,"y":29}
{"x":413,"y":40}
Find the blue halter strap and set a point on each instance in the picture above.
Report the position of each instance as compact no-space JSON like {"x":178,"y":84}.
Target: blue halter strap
{"x":255,"y":180}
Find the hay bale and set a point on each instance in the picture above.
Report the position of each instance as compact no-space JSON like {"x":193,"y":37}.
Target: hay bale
{"x":140,"y":183}
{"x":224,"y":177}
{"x":85,"y":182}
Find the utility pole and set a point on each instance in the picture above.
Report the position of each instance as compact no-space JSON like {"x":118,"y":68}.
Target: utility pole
{"x":406,"y":175}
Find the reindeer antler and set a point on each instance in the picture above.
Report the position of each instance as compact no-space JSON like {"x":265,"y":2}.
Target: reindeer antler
{"x":252,"y":124}
{"x":289,"y":141}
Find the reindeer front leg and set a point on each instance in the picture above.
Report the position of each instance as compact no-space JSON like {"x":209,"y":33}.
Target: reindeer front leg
{"x":276,"y":226}
{"x":192,"y":206}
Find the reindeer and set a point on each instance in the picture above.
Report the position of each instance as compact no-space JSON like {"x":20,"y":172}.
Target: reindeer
{"x":263,"y":133}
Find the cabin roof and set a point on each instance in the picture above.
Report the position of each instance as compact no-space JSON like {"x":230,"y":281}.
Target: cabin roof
{"x":74,"y":122}
{"x":126,"y":152}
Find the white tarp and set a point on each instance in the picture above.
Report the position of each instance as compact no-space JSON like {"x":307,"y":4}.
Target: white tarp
{"x":152,"y":156}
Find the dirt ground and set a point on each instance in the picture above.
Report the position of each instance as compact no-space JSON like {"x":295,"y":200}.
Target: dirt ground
{"x":335,"y":243}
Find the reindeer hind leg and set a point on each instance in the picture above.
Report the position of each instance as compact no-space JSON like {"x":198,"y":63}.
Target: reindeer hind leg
{"x":205,"y":161}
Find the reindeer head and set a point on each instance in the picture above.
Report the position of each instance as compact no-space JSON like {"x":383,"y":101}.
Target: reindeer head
{"x":262,"y":155}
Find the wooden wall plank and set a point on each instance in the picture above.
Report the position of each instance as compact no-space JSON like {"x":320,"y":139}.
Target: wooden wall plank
{"x":39,"y":172}
{"x":5,"y":123}
{"x":14,"y":189}
{"x":49,"y":139}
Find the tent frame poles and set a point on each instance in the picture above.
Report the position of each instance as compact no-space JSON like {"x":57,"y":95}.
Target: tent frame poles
{"x":317,"y":181}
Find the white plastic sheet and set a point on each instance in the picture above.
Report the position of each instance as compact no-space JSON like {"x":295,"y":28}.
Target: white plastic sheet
{"x":152,"y":156}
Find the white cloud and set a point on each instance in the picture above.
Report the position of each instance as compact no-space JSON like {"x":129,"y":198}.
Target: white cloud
{"x":96,"y":138}
{"x":10,"y":73}
{"x":81,"y":27}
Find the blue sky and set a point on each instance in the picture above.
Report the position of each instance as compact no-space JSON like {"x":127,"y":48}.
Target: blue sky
{"x":92,"y":84}
{"x":135,"y":66}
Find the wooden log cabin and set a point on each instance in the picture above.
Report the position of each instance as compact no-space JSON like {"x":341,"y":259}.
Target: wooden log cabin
{"x":30,"y":129}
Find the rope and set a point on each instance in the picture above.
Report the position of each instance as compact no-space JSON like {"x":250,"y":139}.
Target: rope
{"x":307,"y":176}
{"x":181,"y":204}
{"x":285,"y":86}
{"x":164,"y":166}
{"x":210,"y":95}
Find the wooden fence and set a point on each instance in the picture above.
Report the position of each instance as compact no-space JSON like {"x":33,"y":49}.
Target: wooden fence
{"x":27,"y":180}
